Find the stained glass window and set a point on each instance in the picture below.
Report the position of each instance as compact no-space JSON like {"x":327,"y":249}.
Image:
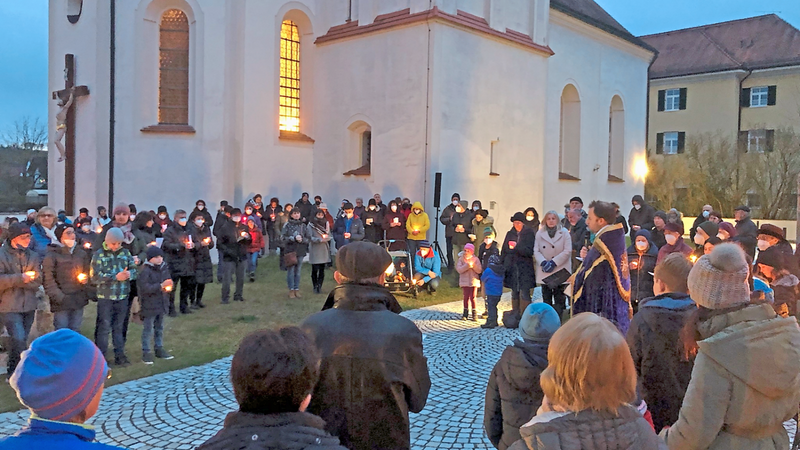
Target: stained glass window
{"x":173,"y":75}
{"x":290,"y":77}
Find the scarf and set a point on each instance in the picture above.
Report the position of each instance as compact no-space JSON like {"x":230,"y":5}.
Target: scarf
{"x":551,"y":231}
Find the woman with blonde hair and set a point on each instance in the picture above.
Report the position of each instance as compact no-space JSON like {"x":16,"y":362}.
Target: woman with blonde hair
{"x":589,"y":384}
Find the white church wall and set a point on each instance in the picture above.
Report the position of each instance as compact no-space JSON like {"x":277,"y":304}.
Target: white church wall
{"x":600,"y":66}
{"x":487,"y":91}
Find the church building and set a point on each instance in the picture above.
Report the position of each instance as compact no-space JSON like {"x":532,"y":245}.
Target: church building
{"x":516,"y":102}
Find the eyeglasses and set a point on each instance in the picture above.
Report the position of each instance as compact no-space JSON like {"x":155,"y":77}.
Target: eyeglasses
{"x":69,"y":232}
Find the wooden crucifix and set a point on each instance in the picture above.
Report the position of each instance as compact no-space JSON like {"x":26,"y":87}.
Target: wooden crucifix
{"x":65,"y":126}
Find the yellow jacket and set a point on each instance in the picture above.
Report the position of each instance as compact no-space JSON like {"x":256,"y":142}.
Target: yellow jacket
{"x":419,"y":222}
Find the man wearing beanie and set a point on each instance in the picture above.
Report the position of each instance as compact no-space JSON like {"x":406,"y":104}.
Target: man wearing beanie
{"x":373,"y":370}
{"x":654,"y":339}
{"x":60,"y":380}
{"x":745,"y":381}
{"x":427,"y":267}
{"x":20,"y":279}
{"x":113,"y":271}
{"x":514,"y":394}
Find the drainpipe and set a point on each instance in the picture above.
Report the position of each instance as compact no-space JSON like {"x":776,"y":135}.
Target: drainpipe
{"x":647,"y":108}
{"x":349,"y":11}
{"x":111,"y":101}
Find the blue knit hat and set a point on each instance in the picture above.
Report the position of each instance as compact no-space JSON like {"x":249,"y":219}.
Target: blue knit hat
{"x":424,"y":244}
{"x":59,"y":375}
{"x":539,"y":321}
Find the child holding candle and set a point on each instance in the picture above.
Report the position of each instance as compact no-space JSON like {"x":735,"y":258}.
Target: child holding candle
{"x":154,"y":286}
{"x":469,"y":269}
{"x":65,"y":277}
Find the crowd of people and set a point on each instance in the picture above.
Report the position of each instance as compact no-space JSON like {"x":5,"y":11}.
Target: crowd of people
{"x":664,"y":346}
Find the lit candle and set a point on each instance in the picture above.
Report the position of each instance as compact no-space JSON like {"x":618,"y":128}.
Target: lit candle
{"x":99,"y":230}
{"x":207,"y":240}
{"x":693,"y":258}
{"x":324,"y":236}
{"x":31,"y":273}
{"x":152,"y":244}
{"x":82,"y":277}
{"x":244,"y":234}
{"x":168,"y":288}
{"x":87,"y":245}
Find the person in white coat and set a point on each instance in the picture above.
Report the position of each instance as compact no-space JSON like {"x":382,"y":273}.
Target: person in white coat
{"x":553,"y":253}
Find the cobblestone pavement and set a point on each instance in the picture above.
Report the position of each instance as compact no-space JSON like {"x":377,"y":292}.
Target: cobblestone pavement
{"x":182,"y":409}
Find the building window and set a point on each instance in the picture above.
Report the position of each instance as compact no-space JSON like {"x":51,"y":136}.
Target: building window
{"x":672,"y":100}
{"x":569,"y":155}
{"x":616,"y":140}
{"x":670,"y":143}
{"x":360,"y":149}
{"x":366,"y":148}
{"x":759,"y":96}
{"x":173,"y":80}
{"x":290,"y":77}
{"x":494,"y":151}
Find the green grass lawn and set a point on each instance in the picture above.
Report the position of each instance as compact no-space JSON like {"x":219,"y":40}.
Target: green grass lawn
{"x":214,"y":332}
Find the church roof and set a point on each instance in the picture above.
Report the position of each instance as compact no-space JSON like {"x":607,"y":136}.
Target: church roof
{"x":748,"y":44}
{"x":590,"y":12}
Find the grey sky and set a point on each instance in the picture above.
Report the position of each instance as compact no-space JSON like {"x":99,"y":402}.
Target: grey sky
{"x":23,"y":39}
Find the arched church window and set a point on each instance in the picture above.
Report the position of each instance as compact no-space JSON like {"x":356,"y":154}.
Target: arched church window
{"x":616,"y":140}
{"x":569,"y":154}
{"x":360,"y":152}
{"x":290,"y":77}
{"x":173,"y":76}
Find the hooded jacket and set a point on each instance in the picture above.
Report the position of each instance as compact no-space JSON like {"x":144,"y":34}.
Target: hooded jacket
{"x":60,"y":270}
{"x":641,"y":267}
{"x":373,"y":370}
{"x":154,"y":300}
{"x":479,"y":227}
{"x":468,"y":276}
{"x":642,"y":217}
{"x":16,"y":295}
{"x":419,"y":222}
{"x":285,"y":431}
{"x":430,"y":263}
{"x":745,"y":383}
{"x":654,"y":340}
{"x":513,"y":394}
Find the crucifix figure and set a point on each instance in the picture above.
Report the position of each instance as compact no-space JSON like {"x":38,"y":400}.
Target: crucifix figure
{"x":65,"y":127}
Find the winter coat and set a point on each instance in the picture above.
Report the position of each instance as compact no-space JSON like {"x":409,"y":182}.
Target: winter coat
{"x":269,"y":212}
{"x":468,"y":276}
{"x":179,"y":259}
{"x":518,"y":262}
{"x":289,"y":234}
{"x":744,"y":384}
{"x":657,"y":237}
{"x":143,"y":238}
{"x":396,"y":233}
{"x":465,"y":220}
{"x":430,"y":263}
{"x":697,"y":222}
{"x":621,"y":219}
{"x":643,"y":217}
{"x":492,"y":280}
{"x":203,"y":266}
{"x":160,"y":225}
{"x":513,"y":394}
{"x":419,"y":222}
{"x":479,"y":227}
{"x":16,"y":295}
{"x":485,"y":253}
{"x":129,"y":238}
{"x":747,"y":235}
{"x":207,"y":220}
{"x":373,"y":225}
{"x":221,"y":219}
{"x":679,"y":247}
{"x":655,"y":343}
{"x":786,"y":290}
{"x":60,"y":270}
{"x":557,"y":249}
{"x":152,"y":297}
{"x":40,"y":240}
{"x":640,"y":267}
{"x":233,"y":240}
{"x":356,"y":231}
{"x":320,"y":249}
{"x":306,"y":209}
{"x":48,"y":434}
{"x":579,"y":234}
{"x":285,"y":431}
{"x":103,"y":274}
{"x":373,"y":369}
{"x":256,"y":239}
{"x":446,"y":218}
{"x":589,"y":430}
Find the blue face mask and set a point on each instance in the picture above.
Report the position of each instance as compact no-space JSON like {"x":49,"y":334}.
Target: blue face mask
{"x":706,"y":214}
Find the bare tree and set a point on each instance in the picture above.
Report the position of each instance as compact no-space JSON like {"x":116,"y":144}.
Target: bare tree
{"x":26,"y":134}
{"x":773,"y":175}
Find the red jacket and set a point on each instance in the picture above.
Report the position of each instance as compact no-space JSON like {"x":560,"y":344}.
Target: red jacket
{"x":256,"y":240}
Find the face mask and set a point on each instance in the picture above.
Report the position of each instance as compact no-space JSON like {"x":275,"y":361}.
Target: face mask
{"x":69,"y":243}
{"x":162,"y":216}
{"x":671,"y":239}
{"x":394,"y":208}
{"x":706,"y":214}
{"x":372,"y":208}
{"x":86,"y":228}
{"x":488,"y":241}
{"x":182,"y":222}
{"x":132,"y":217}
{"x":236,"y":219}
{"x":475,"y":208}
{"x":637,"y":207}
{"x":416,"y":211}
{"x":349,"y":215}
{"x":455,"y":202}
{"x":199,"y":223}
{"x":722,"y":236}
{"x":763,"y":245}
{"x":201,"y":207}
{"x":641,"y":245}
{"x":248,"y":211}
{"x":529,"y":218}
{"x":699,"y":240}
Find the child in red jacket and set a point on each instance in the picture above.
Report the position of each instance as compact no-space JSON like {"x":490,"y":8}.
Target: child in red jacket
{"x":254,"y":248}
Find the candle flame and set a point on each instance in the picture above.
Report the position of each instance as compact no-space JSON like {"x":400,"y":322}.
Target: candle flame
{"x":30,"y":273}
{"x":168,"y":288}
{"x":82,"y":277}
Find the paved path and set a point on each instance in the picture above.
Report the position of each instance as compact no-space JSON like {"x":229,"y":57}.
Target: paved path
{"x":182,"y":409}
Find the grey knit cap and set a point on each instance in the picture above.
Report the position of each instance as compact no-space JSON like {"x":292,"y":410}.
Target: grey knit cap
{"x":719,"y":280}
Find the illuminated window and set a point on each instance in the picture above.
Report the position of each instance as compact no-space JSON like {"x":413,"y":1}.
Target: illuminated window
{"x":173,"y":75}
{"x":290,"y":77}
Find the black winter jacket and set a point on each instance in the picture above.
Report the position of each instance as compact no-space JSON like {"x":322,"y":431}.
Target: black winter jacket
{"x":179,"y":258}
{"x":16,"y":295}
{"x":373,"y":232}
{"x":640,"y":268}
{"x":153,"y":298}
{"x":643,"y":217}
{"x":518,"y":262}
{"x":204,"y":214}
{"x":747,"y":235}
{"x":233,"y":240}
{"x":446,"y":218}
{"x":60,"y":270}
{"x":286,"y":431}
{"x":579,"y":234}
{"x":373,"y":369}
{"x":513,"y":394}
{"x":203,"y":244}
{"x":396,"y":233}
{"x":654,"y":340}
{"x":465,"y":220}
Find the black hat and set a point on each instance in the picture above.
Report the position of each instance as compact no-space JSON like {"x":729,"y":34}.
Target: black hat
{"x":162,"y":209}
{"x":576,"y":199}
{"x":772,"y":257}
{"x":153,"y":252}
{"x":372,"y":202}
{"x":83,"y":210}
{"x":101,"y":208}
{"x":347,"y":206}
{"x":17,"y":229}
{"x":518,"y":217}
{"x":482,"y":212}
{"x":744,"y":208}
{"x":223,"y":203}
{"x":61,"y":228}
{"x":456,"y":195}
{"x":235,"y":211}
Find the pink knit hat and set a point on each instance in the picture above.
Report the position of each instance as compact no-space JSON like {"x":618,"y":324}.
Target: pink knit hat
{"x":470,"y":247}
